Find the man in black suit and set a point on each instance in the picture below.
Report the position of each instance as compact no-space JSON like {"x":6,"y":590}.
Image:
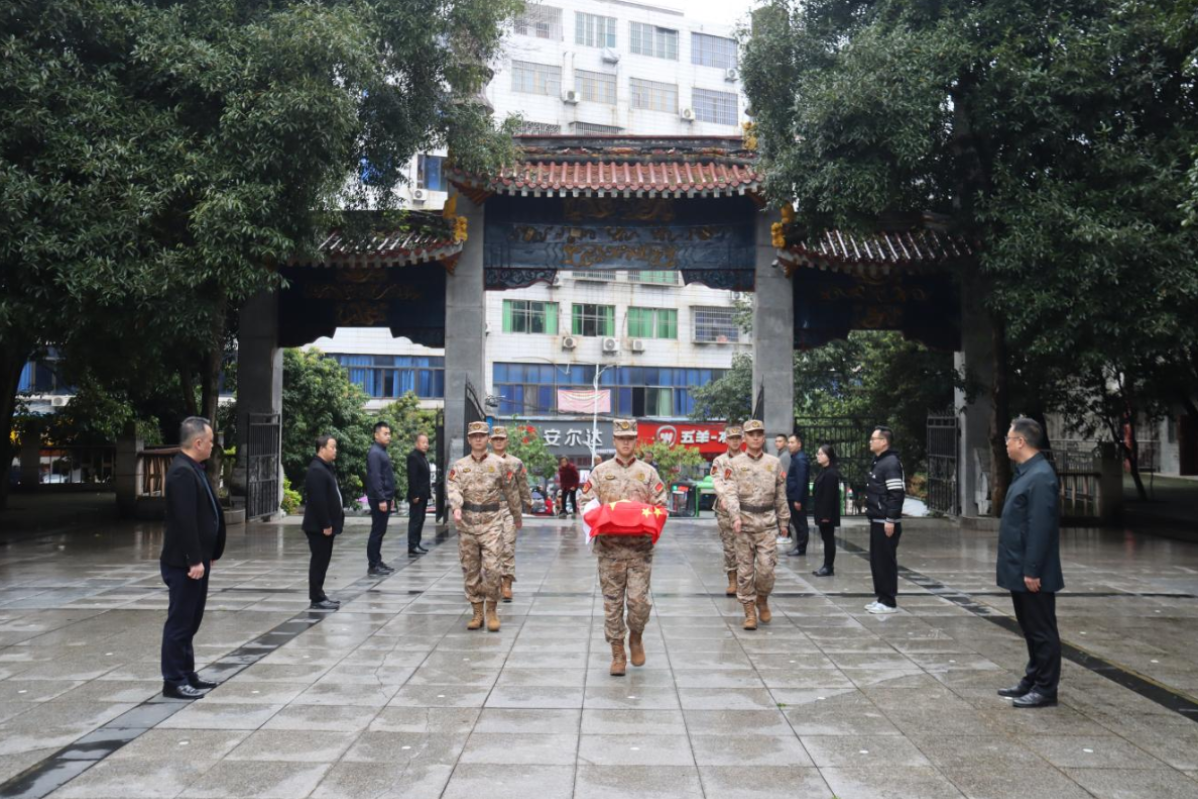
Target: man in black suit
{"x":194,"y":539}
{"x":1029,"y":562}
{"x":380,"y":493}
{"x":324,"y":517}
{"x":797,"y":482}
{"x":419,"y":492}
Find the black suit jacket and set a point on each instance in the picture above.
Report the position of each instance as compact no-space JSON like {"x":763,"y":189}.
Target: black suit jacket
{"x":195,"y":531}
{"x":826,"y":503}
{"x":419,"y":486}
{"x":322,"y":501}
{"x":1029,"y":536}
{"x":380,"y":478}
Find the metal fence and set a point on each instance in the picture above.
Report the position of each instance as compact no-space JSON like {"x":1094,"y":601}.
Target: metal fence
{"x":850,"y":438}
{"x":1079,"y":473}
{"x":944,"y":430}
{"x":262,"y":465}
{"x":77,"y":465}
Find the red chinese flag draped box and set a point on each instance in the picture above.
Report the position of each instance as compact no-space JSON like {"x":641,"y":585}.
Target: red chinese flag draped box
{"x":625,"y":517}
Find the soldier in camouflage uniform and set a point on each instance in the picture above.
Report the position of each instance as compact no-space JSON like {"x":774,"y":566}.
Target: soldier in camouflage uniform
{"x":507,"y":563}
{"x":718,"y":466}
{"x":479,"y":486}
{"x":625,"y":562}
{"x":754,"y":492}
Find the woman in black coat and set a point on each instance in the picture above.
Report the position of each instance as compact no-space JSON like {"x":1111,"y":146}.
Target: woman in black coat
{"x":825,"y":506}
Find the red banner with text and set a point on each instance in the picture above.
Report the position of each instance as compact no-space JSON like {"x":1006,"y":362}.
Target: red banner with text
{"x":708,"y":438}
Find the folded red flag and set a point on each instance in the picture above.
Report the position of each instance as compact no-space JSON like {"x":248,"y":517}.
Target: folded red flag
{"x":625,"y":517}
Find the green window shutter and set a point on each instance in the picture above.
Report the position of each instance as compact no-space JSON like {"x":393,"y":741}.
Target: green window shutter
{"x":507,"y":316}
{"x":669,"y":326}
{"x":551,"y":318}
{"x":634,"y":322}
{"x":577,"y":320}
{"x":609,"y":320}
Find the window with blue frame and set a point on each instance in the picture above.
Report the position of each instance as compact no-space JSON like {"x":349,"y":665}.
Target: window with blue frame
{"x":641,"y":391}
{"x":392,"y":376}
{"x":430,"y":172}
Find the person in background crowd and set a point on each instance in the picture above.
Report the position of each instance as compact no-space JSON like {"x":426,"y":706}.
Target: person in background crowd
{"x":420,"y":491}
{"x":884,"y":495}
{"x":380,"y":493}
{"x":324,"y":518}
{"x":798,"y":472}
{"x":507,"y":560}
{"x":567,"y":478}
{"x":825,"y":506}
{"x":1029,"y":562}
{"x":783,"y":454}
{"x":721,"y":468}
{"x":194,"y":539}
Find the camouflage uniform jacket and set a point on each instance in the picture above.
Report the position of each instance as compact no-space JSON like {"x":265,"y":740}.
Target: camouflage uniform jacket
{"x":636,"y":481}
{"x":520,"y":475}
{"x":755,"y":490}
{"x":721,"y":462}
{"x":487,"y":483}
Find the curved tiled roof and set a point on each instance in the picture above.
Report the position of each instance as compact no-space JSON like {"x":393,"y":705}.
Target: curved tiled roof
{"x":428,"y":239}
{"x":879,"y":253}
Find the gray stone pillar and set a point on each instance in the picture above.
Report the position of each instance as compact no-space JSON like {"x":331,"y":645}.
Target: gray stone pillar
{"x":976,"y":360}
{"x":259,"y":370}
{"x":773,"y":333}
{"x":465,"y":328}
{"x":31,"y":455}
{"x":126,"y":475}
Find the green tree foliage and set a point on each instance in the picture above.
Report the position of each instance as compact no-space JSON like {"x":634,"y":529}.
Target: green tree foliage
{"x":672,"y":462}
{"x":525,"y":444}
{"x":407,"y":418}
{"x":1056,"y":137}
{"x":158,"y":159}
{"x":730,"y":397}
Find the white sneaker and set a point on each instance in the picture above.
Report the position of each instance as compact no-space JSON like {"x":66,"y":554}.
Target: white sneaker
{"x":870,"y":606}
{"x":878,"y":607}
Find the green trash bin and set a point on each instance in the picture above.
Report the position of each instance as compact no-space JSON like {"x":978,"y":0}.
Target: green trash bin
{"x":684,"y":499}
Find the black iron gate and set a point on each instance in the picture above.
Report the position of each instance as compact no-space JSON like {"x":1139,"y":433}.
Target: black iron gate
{"x":442,"y":456}
{"x":943,"y":445}
{"x":849,"y":436}
{"x":474,"y":413}
{"x":262,"y":465}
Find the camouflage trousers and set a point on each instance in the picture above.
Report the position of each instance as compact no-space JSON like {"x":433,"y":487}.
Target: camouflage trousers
{"x":625,"y":582}
{"x":756,"y":557}
{"x":507,"y":560}
{"x":728,"y":539}
{"x":481,"y":550}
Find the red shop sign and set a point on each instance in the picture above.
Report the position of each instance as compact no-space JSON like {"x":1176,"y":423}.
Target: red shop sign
{"x":707,"y":438}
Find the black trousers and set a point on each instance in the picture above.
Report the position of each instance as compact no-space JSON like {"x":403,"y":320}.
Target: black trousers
{"x":569,"y":498}
{"x":1037,"y":616}
{"x":416,"y":514}
{"x":183,"y":618}
{"x":883,"y":561}
{"x":378,"y":529}
{"x":321,"y":546}
{"x":828,"y":533}
{"x":801,"y":530}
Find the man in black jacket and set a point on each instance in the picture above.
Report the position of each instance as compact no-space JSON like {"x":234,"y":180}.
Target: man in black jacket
{"x":1029,"y":562}
{"x":797,"y":482}
{"x":884,"y":495}
{"x":380,"y":493}
{"x":324,"y":517}
{"x":420,"y":491}
{"x":193,"y":540}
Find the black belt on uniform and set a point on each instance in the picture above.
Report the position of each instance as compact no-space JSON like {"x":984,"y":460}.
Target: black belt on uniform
{"x":476,"y":508}
{"x":757,"y":508}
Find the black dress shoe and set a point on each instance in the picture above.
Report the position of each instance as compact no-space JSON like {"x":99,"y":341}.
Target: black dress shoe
{"x":420,"y":548}
{"x":336,"y":602}
{"x":413,"y":553}
{"x":201,"y":685}
{"x":386,"y":568}
{"x":794,"y":553}
{"x":181,"y":692}
{"x":1034,"y":699}
{"x":377,"y":571}
{"x":1016,"y":691}
{"x":823,"y":571}
{"x":325,"y":604}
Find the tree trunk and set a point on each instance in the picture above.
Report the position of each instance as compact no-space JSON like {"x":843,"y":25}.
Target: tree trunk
{"x":13,"y":358}
{"x":189,"y":391}
{"x":1133,"y":456}
{"x":1000,"y":418}
{"x":210,"y":387}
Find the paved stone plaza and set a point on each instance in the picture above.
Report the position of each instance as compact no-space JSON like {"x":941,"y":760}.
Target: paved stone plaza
{"x":392,"y":697}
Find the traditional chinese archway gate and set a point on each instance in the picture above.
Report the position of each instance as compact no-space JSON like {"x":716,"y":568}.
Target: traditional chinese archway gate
{"x":688,"y":204}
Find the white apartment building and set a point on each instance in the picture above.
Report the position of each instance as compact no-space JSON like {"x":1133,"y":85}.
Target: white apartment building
{"x":588,"y":67}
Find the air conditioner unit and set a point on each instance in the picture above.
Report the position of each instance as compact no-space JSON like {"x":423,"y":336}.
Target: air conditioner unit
{"x":486,"y":328}
{"x":687,"y":114}
{"x":637,"y":345}
{"x":557,"y":282}
{"x":610,"y":346}
{"x":569,"y":342}
{"x":59,"y":402}
{"x":731,"y":75}
{"x":570,"y":96}
{"x":610,"y":56}
{"x":417,"y":194}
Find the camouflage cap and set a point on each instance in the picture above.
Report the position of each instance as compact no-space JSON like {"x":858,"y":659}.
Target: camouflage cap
{"x":624,"y":428}
{"x":477,"y":428}
{"x":734,"y":431}
{"x":499,"y":432}
{"x":754,"y":426}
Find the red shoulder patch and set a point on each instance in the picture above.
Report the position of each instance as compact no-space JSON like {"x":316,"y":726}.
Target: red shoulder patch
{"x":727,"y":474}
{"x":658,"y":487}
{"x":452,"y":472}
{"x":587,"y":487}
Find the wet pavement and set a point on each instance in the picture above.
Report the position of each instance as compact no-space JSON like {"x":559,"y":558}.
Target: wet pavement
{"x":392,"y":697}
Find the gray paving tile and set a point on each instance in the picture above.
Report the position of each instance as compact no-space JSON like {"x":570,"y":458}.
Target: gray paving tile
{"x":862,"y":751}
{"x":635,"y":750}
{"x":1118,"y":783}
{"x":297,"y":746}
{"x":528,"y":696}
{"x":439,"y":696}
{"x":341,"y":718}
{"x":471,"y":780}
{"x":191,"y":746}
{"x":765,"y":782}
{"x":536,"y":721}
{"x":409,"y":780}
{"x":244,"y":779}
{"x":512,"y":748}
{"x":401,"y":747}
{"x":212,"y":716}
{"x":726,"y":699}
{"x":627,"y":696}
{"x":621,"y":781}
{"x":425,"y":719}
{"x":1003,"y":783}
{"x":597,"y":721}
{"x":134,"y":779}
{"x":748,"y":751}
{"x":892,"y":782}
